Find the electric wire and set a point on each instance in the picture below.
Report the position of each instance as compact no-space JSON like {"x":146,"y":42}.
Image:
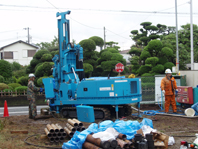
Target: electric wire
{"x":102,"y":10}
{"x":38,"y":145}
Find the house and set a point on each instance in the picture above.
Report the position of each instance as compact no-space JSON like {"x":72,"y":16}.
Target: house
{"x":126,"y":56}
{"x":18,"y":51}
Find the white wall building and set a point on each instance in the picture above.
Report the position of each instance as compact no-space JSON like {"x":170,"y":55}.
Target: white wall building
{"x":126,"y":56}
{"x":19,"y":51}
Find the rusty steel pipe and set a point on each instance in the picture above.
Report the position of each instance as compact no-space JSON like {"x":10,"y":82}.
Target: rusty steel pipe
{"x":70,"y":127}
{"x":56,"y":130}
{"x":69,"y":132}
{"x":59,"y":127}
{"x":98,"y":142}
{"x":88,"y":145}
{"x":122,"y":144}
{"x":129,"y":142}
{"x":121,"y":136}
{"x":73,"y":123}
{"x":50,"y":128}
{"x":113,"y":143}
{"x":49,"y":135}
{"x":79,"y":122}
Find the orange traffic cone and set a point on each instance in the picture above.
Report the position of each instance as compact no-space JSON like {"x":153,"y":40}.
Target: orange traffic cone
{"x":6,"y":114}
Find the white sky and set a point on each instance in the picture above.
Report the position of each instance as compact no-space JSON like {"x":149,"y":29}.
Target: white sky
{"x":87,"y":18}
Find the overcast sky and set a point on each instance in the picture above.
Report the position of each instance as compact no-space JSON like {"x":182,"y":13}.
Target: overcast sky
{"x":88,"y":18}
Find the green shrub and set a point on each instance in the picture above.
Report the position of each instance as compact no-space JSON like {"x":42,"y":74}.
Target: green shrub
{"x":7,"y":91}
{"x":16,"y":66}
{"x":10,"y":87}
{"x":144,"y":69}
{"x":158,"y":69}
{"x":39,"y":54}
{"x":19,"y":73}
{"x":88,"y":44}
{"x":23,"y":80}
{"x":5,"y":69}
{"x":46,"y":57}
{"x":168,"y":65}
{"x":2,"y":79}
{"x":14,"y":85}
{"x":148,"y":79}
{"x":21,"y":89}
{"x":146,"y":75}
{"x":40,"y":82}
{"x":148,"y":85}
{"x":3,"y":86}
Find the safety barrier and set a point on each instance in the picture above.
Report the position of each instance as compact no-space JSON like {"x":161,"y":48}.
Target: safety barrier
{"x":16,"y":93}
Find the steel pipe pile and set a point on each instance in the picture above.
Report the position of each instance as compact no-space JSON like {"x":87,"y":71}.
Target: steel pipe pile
{"x":72,"y":126}
{"x":55,"y":133}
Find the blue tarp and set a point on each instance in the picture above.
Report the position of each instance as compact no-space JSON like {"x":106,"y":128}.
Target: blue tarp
{"x":129,"y":128}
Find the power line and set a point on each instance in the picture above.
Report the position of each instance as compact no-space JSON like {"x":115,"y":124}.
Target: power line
{"x":103,"y":10}
{"x":118,"y":34}
{"x":54,"y":6}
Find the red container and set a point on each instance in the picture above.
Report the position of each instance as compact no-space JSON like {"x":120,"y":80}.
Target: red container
{"x":185,"y":94}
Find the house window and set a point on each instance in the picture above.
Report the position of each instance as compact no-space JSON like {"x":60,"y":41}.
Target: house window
{"x":31,"y":53}
{"x":8,"y":55}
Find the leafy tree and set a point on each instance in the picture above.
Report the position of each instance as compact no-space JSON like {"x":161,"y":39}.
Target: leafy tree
{"x":44,"y":69}
{"x":98,"y":41}
{"x":106,"y":55}
{"x":154,"y":47}
{"x":40,"y":81}
{"x":108,"y":66}
{"x":168,"y":65}
{"x":168,"y":52}
{"x":152,"y":60}
{"x":135,"y":51}
{"x":49,"y":46}
{"x":40,"y":53}
{"x":16,"y":66}
{"x":19,"y":73}
{"x":158,"y":69}
{"x":88,"y":44}
{"x":1,"y":79}
{"x":144,"y":69}
{"x":88,"y":68}
{"x":23,"y":80}
{"x":5,"y":69}
{"x":46,"y":58}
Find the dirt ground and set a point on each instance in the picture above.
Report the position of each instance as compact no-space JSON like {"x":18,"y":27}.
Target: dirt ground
{"x":178,"y":127}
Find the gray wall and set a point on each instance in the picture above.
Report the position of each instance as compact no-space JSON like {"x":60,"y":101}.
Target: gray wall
{"x":191,"y":77}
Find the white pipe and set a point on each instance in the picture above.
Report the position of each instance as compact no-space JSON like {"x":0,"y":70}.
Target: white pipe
{"x":191,"y":36}
{"x":168,"y":114}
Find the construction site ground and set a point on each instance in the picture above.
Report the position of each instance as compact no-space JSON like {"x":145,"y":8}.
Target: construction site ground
{"x":178,"y":127}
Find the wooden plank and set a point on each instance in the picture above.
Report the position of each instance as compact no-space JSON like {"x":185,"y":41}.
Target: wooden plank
{"x":19,"y":131}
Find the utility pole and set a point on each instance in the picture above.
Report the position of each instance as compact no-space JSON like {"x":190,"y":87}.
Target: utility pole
{"x":177,"y":48}
{"x":28,"y":34}
{"x":191,"y":36}
{"x":104,"y":39}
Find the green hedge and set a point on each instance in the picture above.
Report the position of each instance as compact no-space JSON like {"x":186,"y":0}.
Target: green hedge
{"x":148,"y":79}
{"x":148,"y":85}
{"x":21,"y":89}
{"x":3,"y":86}
{"x":14,"y":85}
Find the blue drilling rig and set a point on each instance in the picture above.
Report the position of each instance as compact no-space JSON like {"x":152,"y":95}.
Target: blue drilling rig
{"x":68,"y":88}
